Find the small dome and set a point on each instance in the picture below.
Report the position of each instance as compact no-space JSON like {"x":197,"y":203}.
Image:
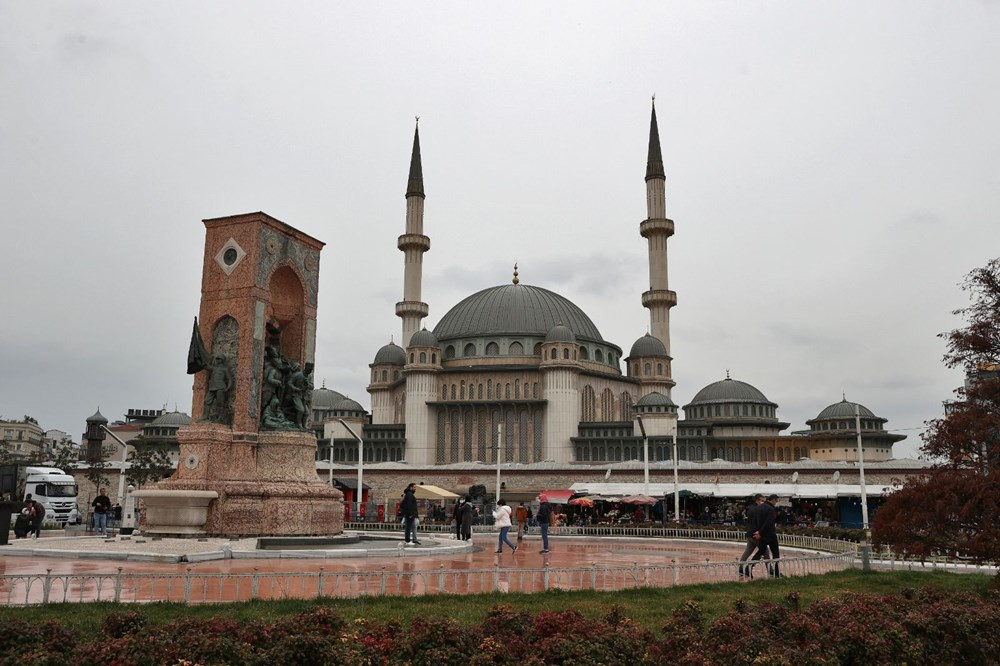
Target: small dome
{"x":348,"y":405}
{"x":97,"y":418}
{"x":324,"y":398}
{"x":729,"y":390}
{"x":654,"y":399}
{"x":392,"y":354}
{"x":560,"y":333}
{"x":844,"y":409}
{"x":424,"y":338}
{"x":171,"y":420}
{"x":648,"y":345}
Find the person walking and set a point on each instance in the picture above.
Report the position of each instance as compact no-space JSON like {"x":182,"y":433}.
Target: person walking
{"x":501,"y":517}
{"x":465,"y":518}
{"x":408,"y":507}
{"x":544,"y":518}
{"x":769,"y":534}
{"x":36,"y":513}
{"x":456,"y":517}
{"x":754,"y":522}
{"x":102,"y":506}
{"x":522,"y":522}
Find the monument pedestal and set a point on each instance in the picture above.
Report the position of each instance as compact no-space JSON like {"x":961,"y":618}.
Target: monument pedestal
{"x":266,"y":484}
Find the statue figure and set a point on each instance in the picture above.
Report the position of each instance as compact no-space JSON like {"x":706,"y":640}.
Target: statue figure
{"x":296,"y":387}
{"x":220,"y":383}
{"x":274,"y":417}
{"x":273,"y":383}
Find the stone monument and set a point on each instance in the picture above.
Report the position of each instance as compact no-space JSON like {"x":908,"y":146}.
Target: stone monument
{"x":248,"y":460}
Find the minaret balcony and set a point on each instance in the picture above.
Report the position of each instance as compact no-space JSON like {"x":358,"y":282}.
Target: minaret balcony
{"x":408,"y":308}
{"x":652,"y":298}
{"x":415,"y":242}
{"x":656,"y":227}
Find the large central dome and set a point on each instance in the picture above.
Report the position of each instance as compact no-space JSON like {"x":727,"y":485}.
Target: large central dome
{"x":514,"y":309}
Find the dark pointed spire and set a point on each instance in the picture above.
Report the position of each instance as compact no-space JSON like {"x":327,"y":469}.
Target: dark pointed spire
{"x":415,"y":184}
{"x":654,"y":162}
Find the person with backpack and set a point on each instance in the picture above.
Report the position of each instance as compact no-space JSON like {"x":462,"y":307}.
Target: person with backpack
{"x":36,"y":512}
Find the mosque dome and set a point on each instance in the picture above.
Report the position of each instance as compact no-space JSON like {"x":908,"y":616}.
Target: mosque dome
{"x":654,"y":399}
{"x":391,"y":354}
{"x":514,"y":310}
{"x":171,"y":420}
{"x":729,"y":390}
{"x":842,"y":410}
{"x":560,"y":333}
{"x":348,"y":405}
{"x":324,"y":398}
{"x":648,"y":345}
{"x":423,"y":338}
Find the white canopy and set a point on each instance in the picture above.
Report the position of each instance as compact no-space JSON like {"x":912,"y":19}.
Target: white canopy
{"x":433,"y":493}
{"x":794,"y":490}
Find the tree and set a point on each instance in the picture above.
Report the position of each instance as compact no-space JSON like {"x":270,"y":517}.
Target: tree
{"x":66,"y":458}
{"x":148,"y":463}
{"x":97,"y":470}
{"x":955,"y":508}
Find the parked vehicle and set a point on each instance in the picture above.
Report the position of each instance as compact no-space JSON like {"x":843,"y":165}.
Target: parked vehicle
{"x":49,"y":486}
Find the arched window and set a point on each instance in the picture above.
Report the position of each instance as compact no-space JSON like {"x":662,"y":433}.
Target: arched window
{"x":659,"y":368}
{"x":517,"y":389}
{"x":423,"y":357}
{"x":607,"y":405}
{"x":452,"y":391}
{"x":444,"y":392}
{"x":395,"y":375}
{"x":461,"y":389}
{"x":449,"y":352}
{"x":534,"y":391}
{"x":411,"y":357}
{"x":480,"y":392}
{"x":584,"y":354}
{"x":635,"y":369}
{"x":385,"y":375}
{"x":566,"y":353}
{"x":515,"y":349}
{"x":648,"y":369}
{"x":538,"y":349}
{"x":555,"y":353}
{"x":599,"y":356}
{"x":470,"y":350}
{"x":492,"y":349}
{"x":434,"y":358}
{"x":781,"y":454}
{"x":506,"y":392}
{"x":489,"y":389}
{"x":626,"y":406}
{"x":587,"y":400}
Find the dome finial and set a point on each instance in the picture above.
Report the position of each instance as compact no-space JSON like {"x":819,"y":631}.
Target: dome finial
{"x":515,"y":274}
{"x":727,"y":374}
{"x":843,"y":396}
{"x":324,"y":383}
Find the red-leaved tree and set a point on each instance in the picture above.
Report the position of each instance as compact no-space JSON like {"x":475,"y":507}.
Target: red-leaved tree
{"x":955,"y":508}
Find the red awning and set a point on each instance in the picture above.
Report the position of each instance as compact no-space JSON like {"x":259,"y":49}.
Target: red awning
{"x":555,"y":496}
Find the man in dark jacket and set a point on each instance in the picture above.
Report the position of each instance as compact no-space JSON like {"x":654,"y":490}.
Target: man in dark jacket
{"x":769,"y":534}
{"x":408,"y":507}
{"x":755,"y":520}
{"x":544,"y":516}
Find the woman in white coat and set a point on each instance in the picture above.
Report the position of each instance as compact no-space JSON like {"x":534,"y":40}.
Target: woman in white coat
{"x":501,"y":517}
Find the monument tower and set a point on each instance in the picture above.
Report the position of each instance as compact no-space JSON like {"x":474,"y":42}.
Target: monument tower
{"x":248,"y":458}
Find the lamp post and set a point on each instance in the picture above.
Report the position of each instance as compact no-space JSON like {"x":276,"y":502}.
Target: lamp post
{"x":866,"y":547}
{"x":499,"y":443}
{"x":677,"y":487}
{"x":361,"y":463}
{"x":645,"y":456}
{"x":121,"y":474}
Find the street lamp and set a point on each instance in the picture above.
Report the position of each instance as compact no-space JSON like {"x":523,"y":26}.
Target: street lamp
{"x":866,"y":550}
{"x":361,"y":463}
{"x":128,"y":521}
{"x":645,"y":456}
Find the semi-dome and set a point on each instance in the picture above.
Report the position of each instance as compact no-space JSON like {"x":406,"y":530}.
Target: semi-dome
{"x":348,"y":405}
{"x":648,"y":345}
{"x":97,"y":418}
{"x":424,"y":338}
{"x":514,"y":309}
{"x":324,"y":398}
{"x":560,"y":333}
{"x":844,"y":409}
{"x":654,"y":399}
{"x":391,"y":354}
{"x":173,"y":419}
{"x":728,"y":390}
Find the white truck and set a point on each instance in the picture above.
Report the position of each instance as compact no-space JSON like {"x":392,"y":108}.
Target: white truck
{"x":49,"y":486}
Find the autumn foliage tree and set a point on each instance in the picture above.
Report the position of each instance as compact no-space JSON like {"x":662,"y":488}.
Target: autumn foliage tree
{"x":955,"y":508}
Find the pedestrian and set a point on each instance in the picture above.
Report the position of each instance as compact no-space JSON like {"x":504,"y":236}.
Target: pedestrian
{"x":408,"y":507}
{"x":544,"y":518}
{"x":769,"y":534}
{"x":501,"y":517}
{"x":466,"y":517}
{"x":36,"y":513}
{"x":522,"y":521}
{"x":102,"y":506}
{"x":754,"y":521}
{"x":456,"y":517}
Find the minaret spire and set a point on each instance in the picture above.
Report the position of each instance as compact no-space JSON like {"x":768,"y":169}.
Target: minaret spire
{"x":413,"y":243}
{"x":656,"y":229}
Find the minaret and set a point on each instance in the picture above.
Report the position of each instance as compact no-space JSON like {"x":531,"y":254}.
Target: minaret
{"x":413,"y":244}
{"x":656,"y":229}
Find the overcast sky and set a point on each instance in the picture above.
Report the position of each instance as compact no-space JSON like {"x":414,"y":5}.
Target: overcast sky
{"x":833,"y":170}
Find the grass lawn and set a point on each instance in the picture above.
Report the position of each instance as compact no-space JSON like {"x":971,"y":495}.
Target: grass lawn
{"x":649,"y":607}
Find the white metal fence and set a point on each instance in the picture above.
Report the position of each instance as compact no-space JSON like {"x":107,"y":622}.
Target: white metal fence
{"x":201,"y":588}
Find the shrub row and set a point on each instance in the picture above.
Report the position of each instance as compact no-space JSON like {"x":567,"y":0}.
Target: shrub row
{"x":916,"y":627}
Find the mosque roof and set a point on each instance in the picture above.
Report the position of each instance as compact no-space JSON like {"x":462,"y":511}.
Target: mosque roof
{"x":648,"y":345}
{"x":348,"y":405}
{"x":560,"y":333}
{"x":729,"y":390}
{"x":392,"y":354}
{"x":654,"y":398}
{"x":97,"y":418}
{"x":423,"y":338}
{"x":324,"y":398}
{"x":514,"y":309}
{"x":844,"y":409}
{"x":173,"y":419}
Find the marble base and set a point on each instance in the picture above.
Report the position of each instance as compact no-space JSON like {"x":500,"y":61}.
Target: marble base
{"x":175,"y":512}
{"x":266,"y":482}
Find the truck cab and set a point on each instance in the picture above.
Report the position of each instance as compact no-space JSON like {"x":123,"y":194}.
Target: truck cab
{"x":49,"y":486}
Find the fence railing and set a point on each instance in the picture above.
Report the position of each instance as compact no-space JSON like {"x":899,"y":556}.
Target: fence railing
{"x":202,"y":588}
{"x":790,"y":540}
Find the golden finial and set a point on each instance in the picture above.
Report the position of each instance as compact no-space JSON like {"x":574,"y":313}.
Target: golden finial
{"x":727,"y":374}
{"x":515,"y":274}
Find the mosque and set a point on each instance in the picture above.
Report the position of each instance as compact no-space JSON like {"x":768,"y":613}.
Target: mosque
{"x":522,"y":372}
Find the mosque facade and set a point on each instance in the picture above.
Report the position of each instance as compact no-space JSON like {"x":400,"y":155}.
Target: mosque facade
{"x":521,"y":372}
